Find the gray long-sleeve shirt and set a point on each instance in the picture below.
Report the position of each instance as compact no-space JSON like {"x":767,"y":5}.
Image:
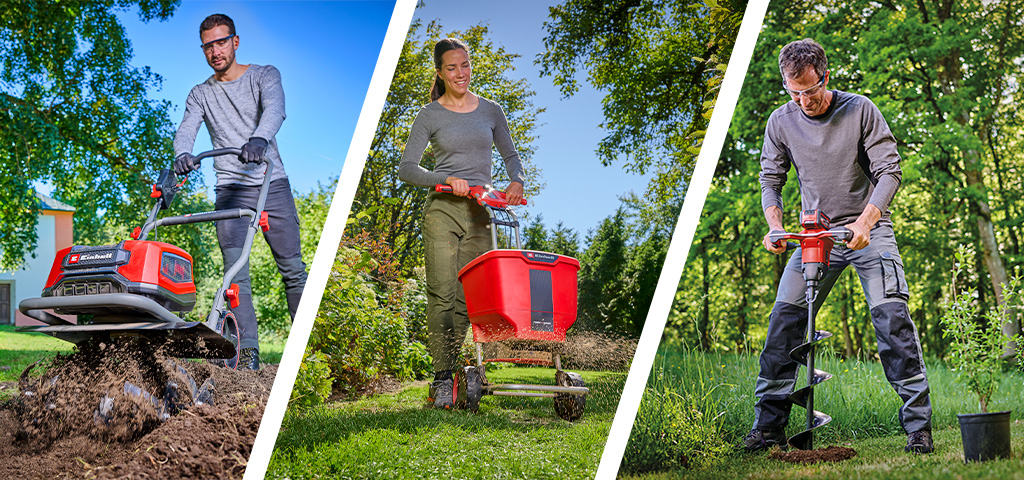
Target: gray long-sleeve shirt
{"x":845,"y":158}
{"x":461,"y":144}
{"x":250,"y":106}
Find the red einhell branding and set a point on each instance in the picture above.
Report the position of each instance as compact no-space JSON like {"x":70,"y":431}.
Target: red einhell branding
{"x":540,"y":256}
{"x":75,"y":258}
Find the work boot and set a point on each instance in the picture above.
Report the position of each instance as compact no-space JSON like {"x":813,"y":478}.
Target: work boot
{"x":758,"y":440}
{"x":249,"y":358}
{"x":441,"y":393}
{"x":919,"y":442}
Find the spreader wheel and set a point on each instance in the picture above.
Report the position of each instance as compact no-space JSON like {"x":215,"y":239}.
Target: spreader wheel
{"x":568,"y":406}
{"x":470,"y":387}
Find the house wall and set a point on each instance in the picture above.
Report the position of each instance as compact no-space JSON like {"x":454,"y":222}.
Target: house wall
{"x":54,"y":230}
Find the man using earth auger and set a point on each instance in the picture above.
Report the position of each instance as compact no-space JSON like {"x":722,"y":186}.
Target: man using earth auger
{"x":243,"y":105}
{"x":848,"y":168}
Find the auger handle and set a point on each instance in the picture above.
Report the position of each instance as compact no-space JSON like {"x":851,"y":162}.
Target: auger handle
{"x":484,"y":195}
{"x":839,"y":234}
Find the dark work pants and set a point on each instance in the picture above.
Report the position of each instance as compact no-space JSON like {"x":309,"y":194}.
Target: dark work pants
{"x":881,"y":276}
{"x":454,"y":233}
{"x":283,"y":239}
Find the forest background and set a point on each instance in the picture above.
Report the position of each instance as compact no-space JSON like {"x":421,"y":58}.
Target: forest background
{"x":946,"y":77}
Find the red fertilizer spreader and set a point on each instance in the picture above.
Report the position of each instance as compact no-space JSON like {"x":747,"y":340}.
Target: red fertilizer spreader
{"x":523,"y":298}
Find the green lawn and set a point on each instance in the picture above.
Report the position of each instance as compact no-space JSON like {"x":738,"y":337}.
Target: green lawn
{"x":879,"y":458}
{"x":697,"y":407}
{"x":396,"y":436}
{"x":19,"y":350}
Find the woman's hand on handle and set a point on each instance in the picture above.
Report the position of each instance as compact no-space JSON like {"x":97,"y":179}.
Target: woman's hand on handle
{"x":459,"y":186}
{"x":514,"y":193}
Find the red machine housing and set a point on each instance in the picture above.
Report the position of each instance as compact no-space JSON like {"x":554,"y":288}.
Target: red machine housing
{"x":815,"y":250}
{"x":520,"y":294}
{"x":160,"y":271}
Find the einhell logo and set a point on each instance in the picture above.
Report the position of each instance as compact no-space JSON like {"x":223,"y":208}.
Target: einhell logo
{"x":540,"y":256}
{"x":75,"y":258}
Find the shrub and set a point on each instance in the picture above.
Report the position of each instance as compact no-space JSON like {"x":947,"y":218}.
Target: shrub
{"x":313,"y":384}
{"x":976,"y":346}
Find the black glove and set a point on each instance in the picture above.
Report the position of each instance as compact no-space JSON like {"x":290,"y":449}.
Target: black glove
{"x":185,"y":163}
{"x":253,"y":151}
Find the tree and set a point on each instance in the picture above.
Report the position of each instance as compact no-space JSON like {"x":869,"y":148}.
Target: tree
{"x":661,"y":63}
{"x":74,"y":113}
{"x":398,"y":222}
{"x":652,"y":57}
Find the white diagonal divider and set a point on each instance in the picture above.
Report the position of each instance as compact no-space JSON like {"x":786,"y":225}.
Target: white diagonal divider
{"x":682,"y":238}
{"x":330,"y":237}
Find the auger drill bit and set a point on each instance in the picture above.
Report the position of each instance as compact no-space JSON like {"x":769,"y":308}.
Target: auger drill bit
{"x":804,"y":397}
{"x":816,"y":241}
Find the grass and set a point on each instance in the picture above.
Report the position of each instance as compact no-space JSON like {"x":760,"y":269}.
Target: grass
{"x":396,"y":436}
{"x":18,"y":350}
{"x":877,"y":458}
{"x":712,"y":397}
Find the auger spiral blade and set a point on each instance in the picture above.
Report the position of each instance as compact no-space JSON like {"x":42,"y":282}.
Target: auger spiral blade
{"x":804,"y":397}
{"x":799,"y":354}
{"x":805,"y":439}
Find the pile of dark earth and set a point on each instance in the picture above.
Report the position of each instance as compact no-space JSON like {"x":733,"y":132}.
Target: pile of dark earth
{"x":128,"y":411}
{"x":828,"y":454}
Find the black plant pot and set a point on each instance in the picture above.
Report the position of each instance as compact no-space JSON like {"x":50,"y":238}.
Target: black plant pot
{"x":985,"y":435}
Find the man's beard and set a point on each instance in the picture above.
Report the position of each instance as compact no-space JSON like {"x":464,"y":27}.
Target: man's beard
{"x":229,"y":61}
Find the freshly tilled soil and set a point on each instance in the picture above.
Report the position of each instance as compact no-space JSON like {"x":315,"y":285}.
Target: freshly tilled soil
{"x":54,"y":428}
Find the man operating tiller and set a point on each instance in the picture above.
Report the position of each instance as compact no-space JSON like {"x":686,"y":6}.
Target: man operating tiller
{"x":848,"y":168}
{"x":243,"y":105}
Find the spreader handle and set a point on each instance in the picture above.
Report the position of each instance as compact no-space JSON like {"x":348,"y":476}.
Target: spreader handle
{"x":484,"y":195}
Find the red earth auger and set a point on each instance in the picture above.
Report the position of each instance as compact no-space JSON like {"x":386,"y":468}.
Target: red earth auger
{"x":522,"y":297}
{"x":816,"y":241}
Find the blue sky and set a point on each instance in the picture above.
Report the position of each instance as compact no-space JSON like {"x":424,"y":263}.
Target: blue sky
{"x":580,"y":191}
{"x":325,"y":50}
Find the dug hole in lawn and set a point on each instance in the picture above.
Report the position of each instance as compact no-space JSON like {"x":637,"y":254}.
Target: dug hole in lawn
{"x":107,"y":412}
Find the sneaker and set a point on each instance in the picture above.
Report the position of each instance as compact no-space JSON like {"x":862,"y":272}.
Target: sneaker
{"x":441,"y":393}
{"x":919,"y":442}
{"x":249,"y":358}
{"x":758,"y":440}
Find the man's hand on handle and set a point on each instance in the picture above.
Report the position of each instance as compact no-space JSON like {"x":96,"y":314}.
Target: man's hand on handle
{"x":861,"y":228}
{"x":767,"y":242}
{"x":253,"y":150}
{"x":459,"y":186}
{"x":773,"y":215}
{"x":514,"y":193}
{"x":185,"y":163}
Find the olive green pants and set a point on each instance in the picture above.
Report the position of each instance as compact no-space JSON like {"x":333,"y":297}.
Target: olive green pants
{"x":455,"y":231}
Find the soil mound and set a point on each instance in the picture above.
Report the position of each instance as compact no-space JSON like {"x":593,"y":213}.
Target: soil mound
{"x":829,"y":454}
{"x":129,"y":411}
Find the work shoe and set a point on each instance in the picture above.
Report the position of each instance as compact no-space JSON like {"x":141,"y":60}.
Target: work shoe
{"x":919,"y":442}
{"x":758,"y":440}
{"x":441,"y":393}
{"x":249,"y":358}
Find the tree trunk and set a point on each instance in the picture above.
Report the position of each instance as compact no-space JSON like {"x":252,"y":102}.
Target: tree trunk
{"x":844,"y":315}
{"x":951,"y":76}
